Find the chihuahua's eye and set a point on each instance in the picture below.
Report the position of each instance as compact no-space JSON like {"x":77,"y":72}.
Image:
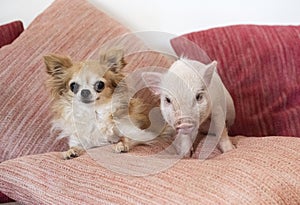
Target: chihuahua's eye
{"x":74,"y":87}
{"x":199,"y":96}
{"x":99,"y":85}
{"x":167,"y":100}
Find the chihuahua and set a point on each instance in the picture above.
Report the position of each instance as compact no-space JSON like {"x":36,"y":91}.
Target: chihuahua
{"x":86,"y":107}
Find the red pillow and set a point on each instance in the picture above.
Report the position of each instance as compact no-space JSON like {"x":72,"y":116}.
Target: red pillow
{"x":9,"y":32}
{"x":260,"y":66}
{"x":4,"y":198}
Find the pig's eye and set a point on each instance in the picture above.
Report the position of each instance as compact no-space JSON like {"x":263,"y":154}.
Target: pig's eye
{"x":168,"y":100}
{"x":199,"y":96}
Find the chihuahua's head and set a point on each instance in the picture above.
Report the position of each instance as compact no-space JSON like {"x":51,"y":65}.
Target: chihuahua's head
{"x":86,"y":82}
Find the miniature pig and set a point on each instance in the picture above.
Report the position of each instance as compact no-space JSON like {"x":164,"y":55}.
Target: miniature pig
{"x":192,"y":99}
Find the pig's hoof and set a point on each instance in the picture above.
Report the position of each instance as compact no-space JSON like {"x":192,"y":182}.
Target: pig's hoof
{"x":226,"y":147}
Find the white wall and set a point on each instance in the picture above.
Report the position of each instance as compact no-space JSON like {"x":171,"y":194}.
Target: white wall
{"x":181,"y":16}
{"x":172,"y":16}
{"x":25,"y":10}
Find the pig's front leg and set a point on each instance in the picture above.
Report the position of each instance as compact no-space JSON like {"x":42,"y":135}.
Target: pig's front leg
{"x":183,"y":144}
{"x":225,"y":143}
{"x":220,"y":129}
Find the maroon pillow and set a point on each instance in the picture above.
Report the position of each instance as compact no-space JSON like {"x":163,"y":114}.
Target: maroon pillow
{"x":260,"y":66}
{"x":4,"y":198}
{"x":9,"y":32}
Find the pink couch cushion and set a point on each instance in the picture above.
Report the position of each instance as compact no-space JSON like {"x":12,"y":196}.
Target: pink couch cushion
{"x":9,"y":32}
{"x":260,"y":67}
{"x":260,"y":171}
{"x":69,"y":27}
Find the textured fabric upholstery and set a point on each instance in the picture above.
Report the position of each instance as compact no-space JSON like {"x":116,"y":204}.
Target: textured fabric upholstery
{"x":260,"y":67}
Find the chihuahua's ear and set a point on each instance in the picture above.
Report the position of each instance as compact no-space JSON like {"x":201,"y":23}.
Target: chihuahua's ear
{"x":56,"y":64}
{"x":113,"y":59}
{"x":56,"y":67}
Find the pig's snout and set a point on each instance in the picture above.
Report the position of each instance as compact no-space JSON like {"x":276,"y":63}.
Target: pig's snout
{"x":185,"y":125}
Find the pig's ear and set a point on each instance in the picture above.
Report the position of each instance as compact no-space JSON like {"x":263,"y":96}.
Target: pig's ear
{"x":210,"y":69}
{"x":152,"y":80}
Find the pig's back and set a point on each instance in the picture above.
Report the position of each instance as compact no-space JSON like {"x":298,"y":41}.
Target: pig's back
{"x":220,"y":96}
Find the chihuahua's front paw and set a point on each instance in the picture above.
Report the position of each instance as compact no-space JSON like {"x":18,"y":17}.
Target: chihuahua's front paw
{"x":121,"y":147}
{"x":73,"y":152}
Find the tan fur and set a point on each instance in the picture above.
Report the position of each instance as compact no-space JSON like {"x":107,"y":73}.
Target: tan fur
{"x":90,"y":122}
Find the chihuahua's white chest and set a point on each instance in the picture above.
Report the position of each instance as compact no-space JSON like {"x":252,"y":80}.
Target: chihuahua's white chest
{"x":87,"y":125}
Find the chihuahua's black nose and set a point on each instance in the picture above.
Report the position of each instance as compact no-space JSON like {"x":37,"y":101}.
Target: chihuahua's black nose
{"x":85,"y":93}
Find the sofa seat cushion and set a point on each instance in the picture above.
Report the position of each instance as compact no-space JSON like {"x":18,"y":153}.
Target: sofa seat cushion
{"x":261,"y":170}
